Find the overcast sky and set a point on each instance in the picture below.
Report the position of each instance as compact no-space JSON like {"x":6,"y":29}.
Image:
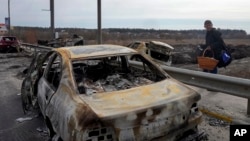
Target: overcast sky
{"x":156,"y":14}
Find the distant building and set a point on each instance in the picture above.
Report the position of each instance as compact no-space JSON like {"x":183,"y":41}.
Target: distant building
{"x":3,"y":29}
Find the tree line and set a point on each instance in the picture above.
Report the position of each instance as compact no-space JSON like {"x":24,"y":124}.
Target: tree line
{"x":32,"y":34}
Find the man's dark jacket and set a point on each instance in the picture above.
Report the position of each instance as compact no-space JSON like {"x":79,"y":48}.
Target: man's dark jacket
{"x":215,"y":41}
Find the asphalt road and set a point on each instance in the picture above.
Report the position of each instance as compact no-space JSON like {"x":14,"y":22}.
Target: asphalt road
{"x":10,"y":104}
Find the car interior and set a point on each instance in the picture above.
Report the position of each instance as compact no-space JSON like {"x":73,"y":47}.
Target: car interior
{"x":113,"y":73}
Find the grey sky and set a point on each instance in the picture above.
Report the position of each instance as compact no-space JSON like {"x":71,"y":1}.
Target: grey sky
{"x":157,"y":14}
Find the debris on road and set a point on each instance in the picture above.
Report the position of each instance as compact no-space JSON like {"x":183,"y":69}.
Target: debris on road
{"x":22,"y":119}
{"x":217,"y":122}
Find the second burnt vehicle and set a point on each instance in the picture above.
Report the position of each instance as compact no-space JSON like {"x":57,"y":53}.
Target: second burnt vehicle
{"x":95,"y":93}
{"x":63,"y":41}
{"x":158,"y":51}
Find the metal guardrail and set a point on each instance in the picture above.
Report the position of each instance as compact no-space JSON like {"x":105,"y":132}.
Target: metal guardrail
{"x":36,"y":47}
{"x":230,"y":85}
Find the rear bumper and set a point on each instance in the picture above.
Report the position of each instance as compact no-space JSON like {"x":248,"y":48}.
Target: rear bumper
{"x":155,"y":132}
{"x":4,"y":47}
{"x":177,"y":133}
{"x":171,"y":129}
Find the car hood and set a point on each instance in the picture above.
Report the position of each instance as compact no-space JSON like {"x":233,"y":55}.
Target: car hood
{"x":112,"y":105}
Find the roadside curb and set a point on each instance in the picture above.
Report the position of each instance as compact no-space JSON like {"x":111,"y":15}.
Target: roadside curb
{"x":224,"y":117}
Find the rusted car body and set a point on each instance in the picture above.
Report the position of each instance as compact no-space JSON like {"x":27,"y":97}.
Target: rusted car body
{"x":94,"y":93}
{"x":75,"y":40}
{"x":158,"y":51}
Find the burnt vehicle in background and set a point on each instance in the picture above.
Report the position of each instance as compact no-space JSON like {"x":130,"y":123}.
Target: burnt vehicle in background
{"x":95,"y":92}
{"x":63,"y":41}
{"x":9,"y":44}
{"x":158,"y":51}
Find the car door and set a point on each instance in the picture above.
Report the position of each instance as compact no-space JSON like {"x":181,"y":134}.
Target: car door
{"x":49,"y":82}
{"x":29,"y":85}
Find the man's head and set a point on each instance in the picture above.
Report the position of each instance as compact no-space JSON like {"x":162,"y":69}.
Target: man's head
{"x":208,"y":25}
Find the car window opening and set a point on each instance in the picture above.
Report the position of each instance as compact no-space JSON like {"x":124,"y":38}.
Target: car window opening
{"x":159,"y":56}
{"x":53,"y":75}
{"x":113,"y":73}
{"x":9,"y":38}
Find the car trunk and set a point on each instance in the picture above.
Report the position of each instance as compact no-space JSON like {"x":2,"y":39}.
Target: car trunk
{"x":144,"y":112}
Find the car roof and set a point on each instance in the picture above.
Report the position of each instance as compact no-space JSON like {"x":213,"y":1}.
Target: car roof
{"x":157,"y":43}
{"x":162,"y":44}
{"x":87,"y":51}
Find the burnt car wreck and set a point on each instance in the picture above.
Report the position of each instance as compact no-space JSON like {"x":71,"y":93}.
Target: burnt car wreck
{"x":158,"y":51}
{"x":95,"y":93}
{"x":75,"y":40}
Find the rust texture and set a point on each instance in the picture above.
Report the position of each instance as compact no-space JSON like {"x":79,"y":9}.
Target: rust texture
{"x":94,"y":93}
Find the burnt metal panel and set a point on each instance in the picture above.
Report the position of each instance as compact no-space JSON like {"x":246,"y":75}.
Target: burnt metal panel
{"x":165,"y":108}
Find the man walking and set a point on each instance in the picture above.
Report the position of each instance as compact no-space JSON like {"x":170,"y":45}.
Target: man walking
{"x":214,"y":42}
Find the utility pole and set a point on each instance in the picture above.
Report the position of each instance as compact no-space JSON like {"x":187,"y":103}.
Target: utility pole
{"x":52,"y":25}
{"x":9,"y":17}
{"x":99,"y":21}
